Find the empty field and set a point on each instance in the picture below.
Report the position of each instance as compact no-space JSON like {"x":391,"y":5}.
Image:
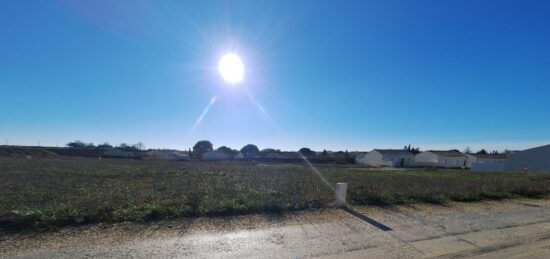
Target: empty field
{"x":44,"y":193}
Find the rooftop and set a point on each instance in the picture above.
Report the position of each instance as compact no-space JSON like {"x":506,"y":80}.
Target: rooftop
{"x":447,"y":153}
{"x":394,"y":152}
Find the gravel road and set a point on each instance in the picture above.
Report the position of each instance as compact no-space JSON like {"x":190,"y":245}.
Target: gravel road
{"x":507,"y":229}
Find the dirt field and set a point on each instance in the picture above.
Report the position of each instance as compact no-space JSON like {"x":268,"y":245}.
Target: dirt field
{"x":56,"y":192}
{"x":506,"y":229}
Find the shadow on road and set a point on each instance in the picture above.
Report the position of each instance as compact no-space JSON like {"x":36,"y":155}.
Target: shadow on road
{"x":366,"y":219}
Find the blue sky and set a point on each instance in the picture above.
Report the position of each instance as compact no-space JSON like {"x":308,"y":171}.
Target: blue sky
{"x":338,"y":75}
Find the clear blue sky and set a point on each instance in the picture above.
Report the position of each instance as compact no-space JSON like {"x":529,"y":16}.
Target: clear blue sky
{"x":338,"y":75}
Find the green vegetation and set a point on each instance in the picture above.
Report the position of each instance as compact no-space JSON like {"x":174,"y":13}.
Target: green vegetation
{"x":53,"y":192}
{"x":16,"y":151}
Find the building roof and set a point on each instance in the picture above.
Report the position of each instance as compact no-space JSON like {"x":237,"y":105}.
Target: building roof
{"x":393,"y":152}
{"x":447,"y":153}
{"x":543,"y":147}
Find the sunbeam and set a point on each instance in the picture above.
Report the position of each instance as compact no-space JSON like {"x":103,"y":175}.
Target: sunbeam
{"x":316,"y":171}
{"x":203,"y":114}
{"x":263,"y":111}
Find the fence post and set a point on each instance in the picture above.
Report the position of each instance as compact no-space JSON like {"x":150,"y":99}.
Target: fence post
{"x":341,"y":190}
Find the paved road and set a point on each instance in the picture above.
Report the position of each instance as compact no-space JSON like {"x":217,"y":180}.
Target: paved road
{"x":508,"y":229}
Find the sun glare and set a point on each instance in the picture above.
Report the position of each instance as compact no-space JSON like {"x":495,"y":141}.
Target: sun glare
{"x":231,"y":68}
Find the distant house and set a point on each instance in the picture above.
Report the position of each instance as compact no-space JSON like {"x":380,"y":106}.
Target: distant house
{"x":470,"y":160}
{"x":532,"y":160}
{"x":491,"y":158}
{"x":167,"y":155}
{"x":118,"y":153}
{"x":387,"y":157}
{"x":216,"y":155}
{"x":446,"y":159}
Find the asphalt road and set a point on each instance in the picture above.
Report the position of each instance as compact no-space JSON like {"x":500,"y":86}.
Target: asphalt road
{"x":507,"y":229}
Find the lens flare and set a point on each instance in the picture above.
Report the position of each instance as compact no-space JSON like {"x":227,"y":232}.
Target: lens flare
{"x":204,"y":112}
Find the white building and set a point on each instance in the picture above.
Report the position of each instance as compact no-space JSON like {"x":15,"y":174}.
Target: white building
{"x":491,"y":158}
{"x":470,"y":160}
{"x":446,"y":159}
{"x":489,"y":163}
{"x":533,"y":160}
{"x":216,"y":155}
{"x":387,"y":157}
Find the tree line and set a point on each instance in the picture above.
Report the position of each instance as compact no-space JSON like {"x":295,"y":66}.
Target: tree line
{"x":251,"y":151}
{"x":123,"y":146}
{"x":248,"y":151}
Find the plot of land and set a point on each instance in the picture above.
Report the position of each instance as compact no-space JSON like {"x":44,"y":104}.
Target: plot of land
{"x":54,"y":192}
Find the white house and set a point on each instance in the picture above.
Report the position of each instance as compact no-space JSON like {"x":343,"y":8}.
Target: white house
{"x":216,"y":155}
{"x":446,"y":159}
{"x":533,"y":160}
{"x":387,"y":157}
{"x":470,"y":160}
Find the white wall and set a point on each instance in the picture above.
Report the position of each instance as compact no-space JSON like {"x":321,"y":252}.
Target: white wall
{"x":452,"y":161}
{"x":431,"y":159}
{"x":373,"y":158}
{"x":395,"y":160}
{"x":426,"y":159}
{"x":470,"y":160}
{"x":534,"y":160}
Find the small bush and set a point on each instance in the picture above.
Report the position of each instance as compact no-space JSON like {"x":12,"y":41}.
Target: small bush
{"x":433,"y":198}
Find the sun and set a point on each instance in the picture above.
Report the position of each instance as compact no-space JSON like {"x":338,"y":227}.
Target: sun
{"x":231,"y":68}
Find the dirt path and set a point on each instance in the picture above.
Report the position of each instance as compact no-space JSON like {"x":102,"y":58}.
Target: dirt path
{"x":507,"y":229}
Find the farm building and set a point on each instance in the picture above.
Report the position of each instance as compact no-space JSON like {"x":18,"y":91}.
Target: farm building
{"x":533,"y":160}
{"x":216,"y":155}
{"x":489,"y":162}
{"x":491,"y":158}
{"x":446,"y":159}
{"x":387,"y":157}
